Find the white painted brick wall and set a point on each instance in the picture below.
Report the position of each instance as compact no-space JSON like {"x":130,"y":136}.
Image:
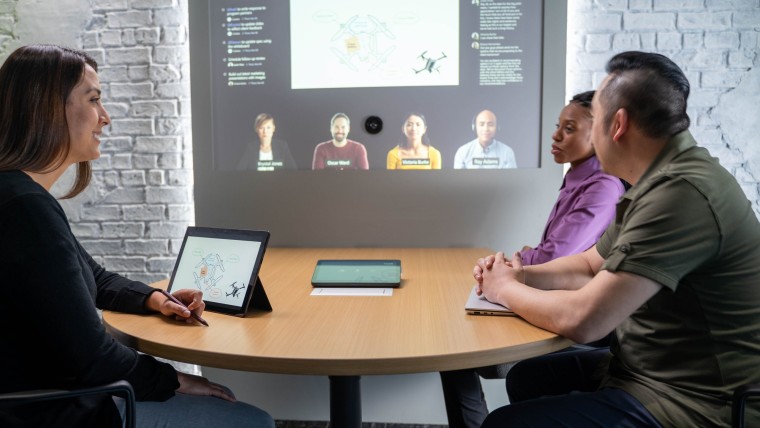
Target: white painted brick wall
{"x":135,"y":212}
{"x":714,"y":41}
{"x":134,"y":209}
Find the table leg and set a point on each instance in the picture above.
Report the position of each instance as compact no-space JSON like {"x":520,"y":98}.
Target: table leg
{"x":345,"y":402}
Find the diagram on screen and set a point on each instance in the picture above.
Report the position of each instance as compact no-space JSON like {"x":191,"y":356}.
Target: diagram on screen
{"x":363,"y":43}
{"x":208,"y":272}
{"x":220,"y":268}
{"x":357,"y":44}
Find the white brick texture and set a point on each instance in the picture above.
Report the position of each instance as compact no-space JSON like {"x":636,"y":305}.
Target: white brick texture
{"x":716,"y":44}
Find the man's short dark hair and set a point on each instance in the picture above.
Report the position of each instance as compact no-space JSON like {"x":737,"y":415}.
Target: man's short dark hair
{"x":651,"y":88}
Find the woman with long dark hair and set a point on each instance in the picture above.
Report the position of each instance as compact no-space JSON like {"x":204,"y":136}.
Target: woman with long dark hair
{"x":414,"y":151}
{"x":51,"y":118}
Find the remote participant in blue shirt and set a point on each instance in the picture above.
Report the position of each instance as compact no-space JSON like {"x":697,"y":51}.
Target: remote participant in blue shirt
{"x":485,"y":152}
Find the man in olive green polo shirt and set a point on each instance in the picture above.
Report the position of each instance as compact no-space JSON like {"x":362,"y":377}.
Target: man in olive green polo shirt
{"x":676,"y":276}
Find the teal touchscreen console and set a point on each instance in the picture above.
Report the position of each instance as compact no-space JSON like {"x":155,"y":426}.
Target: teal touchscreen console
{"x":357,"y":273}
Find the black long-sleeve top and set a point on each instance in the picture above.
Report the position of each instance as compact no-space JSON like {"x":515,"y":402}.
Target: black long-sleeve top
{"x":52,"y":334}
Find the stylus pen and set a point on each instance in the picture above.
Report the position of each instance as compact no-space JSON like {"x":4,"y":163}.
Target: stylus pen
{"x":192,"y":314}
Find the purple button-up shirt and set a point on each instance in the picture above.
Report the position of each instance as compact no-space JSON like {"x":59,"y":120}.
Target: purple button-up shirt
{"x":584,"y":209}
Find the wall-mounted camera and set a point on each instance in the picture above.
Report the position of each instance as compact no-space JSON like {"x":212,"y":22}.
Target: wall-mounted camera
{"x":373,"y":125}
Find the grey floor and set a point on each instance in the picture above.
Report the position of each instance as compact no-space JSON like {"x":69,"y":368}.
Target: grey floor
{"x":325,"y":424}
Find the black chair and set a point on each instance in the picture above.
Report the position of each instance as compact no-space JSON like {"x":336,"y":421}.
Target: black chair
{"x":119,"y":388}
{"x":740,"y":400}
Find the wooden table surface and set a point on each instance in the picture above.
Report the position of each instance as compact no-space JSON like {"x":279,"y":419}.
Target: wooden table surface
{"x":422,"y":327}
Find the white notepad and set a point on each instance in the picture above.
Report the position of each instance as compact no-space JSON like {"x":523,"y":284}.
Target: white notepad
{"x":349,"y":291}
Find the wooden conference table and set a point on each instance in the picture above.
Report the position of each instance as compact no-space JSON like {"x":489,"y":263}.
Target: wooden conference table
{"x":422,"y":327}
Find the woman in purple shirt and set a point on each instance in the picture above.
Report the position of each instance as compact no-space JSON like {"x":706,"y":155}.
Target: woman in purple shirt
{"x":584,"y":208}
{"x":587,"y":198}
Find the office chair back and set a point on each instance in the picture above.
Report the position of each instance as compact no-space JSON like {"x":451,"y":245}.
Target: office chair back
{"x":120,"y":388}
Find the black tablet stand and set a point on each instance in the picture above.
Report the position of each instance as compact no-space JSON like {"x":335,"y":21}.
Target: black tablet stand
{"x":258,"y":300}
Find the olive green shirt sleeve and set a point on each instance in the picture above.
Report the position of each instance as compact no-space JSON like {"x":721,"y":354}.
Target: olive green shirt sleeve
{"x":662,"y":232}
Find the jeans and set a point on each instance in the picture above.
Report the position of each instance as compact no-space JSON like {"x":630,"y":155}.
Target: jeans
{"x":561,"y":389}
{"x":187,"y":411}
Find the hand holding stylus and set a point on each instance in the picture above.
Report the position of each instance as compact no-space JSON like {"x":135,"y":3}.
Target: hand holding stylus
{"x":194,"y":315}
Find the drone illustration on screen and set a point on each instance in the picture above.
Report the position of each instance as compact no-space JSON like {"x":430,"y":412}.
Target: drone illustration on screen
{"x":430,"y":63}
{"x":235,"y":290}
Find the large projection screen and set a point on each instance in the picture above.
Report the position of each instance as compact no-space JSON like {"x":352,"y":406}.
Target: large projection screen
{"x":447,"y":60}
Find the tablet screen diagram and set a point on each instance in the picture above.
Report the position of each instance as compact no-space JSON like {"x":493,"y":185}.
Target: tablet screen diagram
{"x":349,"y":44}
{"x":220,"y":268}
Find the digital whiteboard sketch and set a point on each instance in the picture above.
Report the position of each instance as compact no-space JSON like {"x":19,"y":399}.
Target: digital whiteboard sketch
{"x":220,"y":268}
{"x":362,"y":43}
{"x":356,"y":43}
{"x":208,"y":272}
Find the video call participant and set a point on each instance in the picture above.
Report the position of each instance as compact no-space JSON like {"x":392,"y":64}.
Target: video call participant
{"x":415,"y":151}
{"x":266,"y":154}
{"x":675,"y":276}
{"x":52,"y":118}
{"x":484,"y":152}
{"x":340,"y":152}
{"x":585,"y":207}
